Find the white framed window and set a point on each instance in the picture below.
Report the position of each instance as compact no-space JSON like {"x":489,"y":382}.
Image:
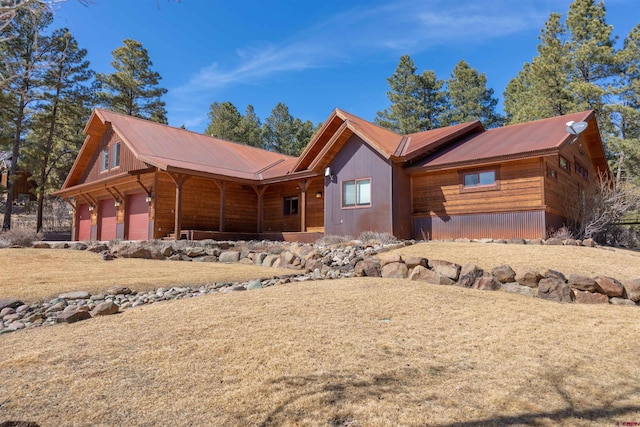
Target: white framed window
{"x":115,"y":155}
{"x":104,"y":160}
{"x":356,"y":193}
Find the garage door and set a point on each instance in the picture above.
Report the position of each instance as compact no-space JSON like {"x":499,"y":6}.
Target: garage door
{"x":107,"y":220}
{"x":83,"y":222}
{"x":137,"y":220}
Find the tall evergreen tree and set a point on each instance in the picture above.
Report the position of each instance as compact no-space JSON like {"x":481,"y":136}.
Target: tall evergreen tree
{"x":224,"y":121}
{"x":23,"y":56}
{"x":133,"y":88}
{"x":249,"y":128}
{"x":625,"y":112}
{"x":432,"y":100}
{"x":469,"y":97}
{"x":55,"y":137}
{"x":283,"y":133}
{"x":402,"y":115}
{"x":541,"y":88}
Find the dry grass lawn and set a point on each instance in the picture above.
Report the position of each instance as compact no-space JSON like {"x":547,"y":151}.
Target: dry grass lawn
{"x":617,"y":263}
{"x":35,"y":274}
{"x":358,"y":352}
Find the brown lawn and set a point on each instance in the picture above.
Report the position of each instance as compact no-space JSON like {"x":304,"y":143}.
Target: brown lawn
{"x":356,"y":352}
{"x":359,"y":352}
{"x":35,"y":274}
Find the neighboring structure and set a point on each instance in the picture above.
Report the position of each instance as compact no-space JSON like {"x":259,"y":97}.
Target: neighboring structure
{"x":23,"y":186}
{"x":135,"y":179}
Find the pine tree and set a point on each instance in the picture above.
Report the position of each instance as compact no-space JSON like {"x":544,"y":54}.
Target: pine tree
{"x":224,"y":121}
{"x":249,"y":128}
{"x":402,"y":116}
{"x":432,"y":99}
{"x":55,"y":139}
{"x":469,"y":97}
{"x":23,"y":57}
{"x":541,"y":88}
{"x":133,"y":88}
{"x":283,"y":133}
{"x":625,"y":113}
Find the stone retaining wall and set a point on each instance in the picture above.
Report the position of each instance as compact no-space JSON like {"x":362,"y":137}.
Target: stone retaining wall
{"x":307,"y":262}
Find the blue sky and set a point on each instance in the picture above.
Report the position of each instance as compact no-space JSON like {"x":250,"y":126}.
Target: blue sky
{"x":313,"y":56}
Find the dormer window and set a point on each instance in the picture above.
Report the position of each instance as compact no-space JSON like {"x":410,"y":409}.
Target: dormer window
{"x":115,"y":155}
{"x":104,"y":160}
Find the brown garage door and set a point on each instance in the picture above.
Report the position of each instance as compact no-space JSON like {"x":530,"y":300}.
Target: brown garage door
{"x":83,"y":222}
{"x":107,"y":221}
{"x":137,"y":220}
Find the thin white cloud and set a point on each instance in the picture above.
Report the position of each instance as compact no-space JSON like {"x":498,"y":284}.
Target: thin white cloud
{"x":405,"y":26}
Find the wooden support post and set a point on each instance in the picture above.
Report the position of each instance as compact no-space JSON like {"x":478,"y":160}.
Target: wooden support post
{"x":222,"y":186}
{"x":260,"y":189}
{"x":303,"y":205}
{"x":179,"y":180}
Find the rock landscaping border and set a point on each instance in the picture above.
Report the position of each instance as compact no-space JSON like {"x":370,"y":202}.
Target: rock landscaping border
{"x":308,"y":262}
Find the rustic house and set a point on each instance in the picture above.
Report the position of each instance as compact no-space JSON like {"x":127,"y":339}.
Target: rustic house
{"x":23,"y":186}
{"x":135,"y":179}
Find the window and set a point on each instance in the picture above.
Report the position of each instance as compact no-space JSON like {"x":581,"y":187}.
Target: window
{"x":115,"y":158}
{"x":581,"y":170}
{"x":356,"y":193}
{"x":565,"y":164}
{"x":480,"y":179}
{"x":290,"y":206}
{"x":104,"y":164}
{"x":552,"y":173}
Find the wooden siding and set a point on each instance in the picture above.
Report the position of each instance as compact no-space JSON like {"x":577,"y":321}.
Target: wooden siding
{"x":562,"y":194}
{"x":128,"y":160}
{"x":441,"y":194}
{"x":241,"y":210}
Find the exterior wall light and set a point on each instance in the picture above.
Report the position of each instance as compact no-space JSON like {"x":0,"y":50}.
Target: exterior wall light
{"x":319,"y":195}
{"x":117,"y":203}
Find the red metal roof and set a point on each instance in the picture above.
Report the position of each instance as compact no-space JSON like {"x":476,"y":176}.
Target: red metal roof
{"x":515,"y":141}
{"x":167,"y":147}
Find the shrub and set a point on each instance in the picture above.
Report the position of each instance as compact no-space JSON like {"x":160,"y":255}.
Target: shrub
{"x":19,"y":236}
{"x":383,"y":238}
{"x":333,"y":240}
{"x":562,"y":233}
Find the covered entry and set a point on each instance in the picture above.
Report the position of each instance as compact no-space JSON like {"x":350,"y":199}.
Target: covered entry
{"x":137,"y":217}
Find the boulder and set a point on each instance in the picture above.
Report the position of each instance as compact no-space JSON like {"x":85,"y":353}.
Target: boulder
{"x":610,"y":286}
{"x":41,"y":245}
{"x":553,"y":241}
{"x":369,"y":267}
{"x":446,"y":268}
{"x":229,"y":256}
{"x":585,"y":297}
{"x":527,"y":277}
{"x":134,"y":251}
{"x":396,"y":270}
{"x":535,"y":242}
{"x":431,"y":276}
{"x":517,"y":241}
{"x":516,"y":288}
{"x":72,"y":316}
{"x":254,"y":284}
{"x":555,"y":290}
{"x":548,"y":273}
{"x":105,"y":309}
{"x":621,"y":301}
{"x":75,"y":295}
{"x":258,"y":258}
{"x":414,"y":261}
{"x":390,"y":259}
{"x":468,"y":275}
{"x":584,"y":283}
{"x":504,"y":274}
{"x":78,"y":246}
{"x":13,"y":303}
{"x":119,"y":290}
{"x":487,"y":283}
{"x":418,"y":273}
{"x":570,"y":242}
{"x":107,"y":256}
{"x":590,"y":243}
{"x":98,"y":248}
{"x":632,"y":289}
{"x":269,"y":260}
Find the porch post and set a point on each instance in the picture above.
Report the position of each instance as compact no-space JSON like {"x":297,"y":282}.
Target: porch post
{"x":303,"y":205}
{"x":222,"y":186}
{"x":179,"y":180}
{"x":260,"y":189}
